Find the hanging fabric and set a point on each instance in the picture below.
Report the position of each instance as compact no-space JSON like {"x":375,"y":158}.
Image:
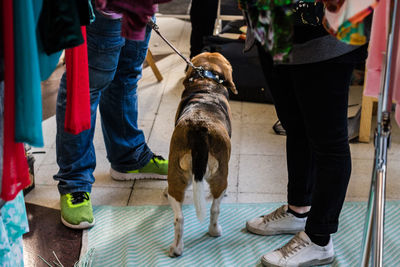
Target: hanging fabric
{"x":1,"y":130}
{"x":345,"y":20}
{"x":77,"y":114}
{"x":13,"y":224}
{"x":377,"y":48}
{"x":85,"y":12}
{"x":47,"y":62}
{"x":59,"y":25}
{"x":28,"y":97}
{"x":15,"y":166}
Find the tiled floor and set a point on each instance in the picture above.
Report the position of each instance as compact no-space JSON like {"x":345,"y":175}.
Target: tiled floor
{"x":257,"y":167}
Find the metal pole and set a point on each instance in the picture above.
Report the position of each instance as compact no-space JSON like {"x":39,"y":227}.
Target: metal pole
{"x":367,"y":236}
{"x":374,"y":224}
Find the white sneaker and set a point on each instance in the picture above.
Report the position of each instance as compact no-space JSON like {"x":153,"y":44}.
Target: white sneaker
{"x":300,"y":251}
{"x":277,"y":222}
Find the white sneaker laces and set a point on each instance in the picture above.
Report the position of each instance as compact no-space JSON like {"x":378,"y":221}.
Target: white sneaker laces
{"x":293,"y":246}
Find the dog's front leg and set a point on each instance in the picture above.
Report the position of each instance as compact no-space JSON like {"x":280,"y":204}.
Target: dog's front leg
{"x":215,"y":229}
{"x":176,"y":248}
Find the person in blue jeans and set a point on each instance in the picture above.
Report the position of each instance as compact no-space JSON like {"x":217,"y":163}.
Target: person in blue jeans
{"x":115,"y":67}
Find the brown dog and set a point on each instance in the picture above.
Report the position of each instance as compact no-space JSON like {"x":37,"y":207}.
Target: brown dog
{"x":200,"y":146}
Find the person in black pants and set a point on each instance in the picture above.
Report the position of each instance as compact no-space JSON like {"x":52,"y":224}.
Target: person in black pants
{"x":203,"y":14}
{"x":311,"y":99}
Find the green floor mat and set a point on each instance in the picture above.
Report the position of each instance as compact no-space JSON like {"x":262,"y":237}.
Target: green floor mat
{"x":141,"y":236}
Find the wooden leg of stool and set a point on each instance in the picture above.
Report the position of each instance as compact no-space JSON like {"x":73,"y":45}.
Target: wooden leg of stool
{"x":366,"y":119}
{"x":152,"y":64}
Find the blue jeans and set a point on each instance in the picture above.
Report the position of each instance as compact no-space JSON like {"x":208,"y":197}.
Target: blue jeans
{"x":115,"y":67}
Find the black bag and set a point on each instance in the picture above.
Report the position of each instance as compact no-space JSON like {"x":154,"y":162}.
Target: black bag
{"x":247,"y":71}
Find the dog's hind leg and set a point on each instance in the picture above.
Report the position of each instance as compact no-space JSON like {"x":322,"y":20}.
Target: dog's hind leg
{"x":176,"y":248}
{"x":214,"y":228}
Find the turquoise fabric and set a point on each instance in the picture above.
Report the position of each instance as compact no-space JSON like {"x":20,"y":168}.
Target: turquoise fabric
{"x":31,"y":66}
{"x":13,"y":224}
{"x":141,"y":236}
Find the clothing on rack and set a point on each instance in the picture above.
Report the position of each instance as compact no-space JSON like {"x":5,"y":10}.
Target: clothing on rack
{"x":135,"y":13}
{"x":28,"y":97}
{"x":377,"y":49}
{"x":346,"y":20}
{"x":15,"y":166}
{"x":13,"y":224}
{"x":77,"y":114}
{"x":1,"y":131}
{"x":60,"y":23}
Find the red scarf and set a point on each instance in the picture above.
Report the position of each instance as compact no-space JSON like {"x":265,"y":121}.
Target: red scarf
{"x":77,"y":113}
{"x":15,"y":166}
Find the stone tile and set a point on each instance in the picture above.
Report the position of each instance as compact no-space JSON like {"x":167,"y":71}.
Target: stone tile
{"x":49,"y":128}
{"x":258,"y":113}
{"x":175,"y":31}
{"x":362,"y":150}
{"x":148,"y":197}
{"x":360,"y":178}
{"x":236,"y":110}
{"x":110,"y":196}
{"x":157,"y":197}
{"x":98,"y":139}
{"x":44,"y":195}
{"x":41,"y":155}
{"x":161,"y":136}
{"x":236,"y":137}
{"x":48,"y":196}
{"x":102,"y":173}
{"x":262,"y":174}
{"x":44,"y":176}
{"x":149,"y":98}
{"x":45,"y":167}
{"x":259,"y":139}
{"x":261,"y":198}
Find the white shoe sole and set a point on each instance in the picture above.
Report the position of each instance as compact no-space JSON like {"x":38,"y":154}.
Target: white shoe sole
{"x":82,"y":225}
{"x":122,"y":176}
{"x":275,"y":232}
{"x":306,"y":264}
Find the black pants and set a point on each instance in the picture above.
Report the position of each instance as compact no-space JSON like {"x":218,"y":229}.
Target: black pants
{"x":202,"y":16}
{"x":311,"y":102}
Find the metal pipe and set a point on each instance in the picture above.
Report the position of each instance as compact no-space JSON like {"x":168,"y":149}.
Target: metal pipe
{"x":394,"y":30}
{"x":366,"y":245}
{"x":374,"y":236}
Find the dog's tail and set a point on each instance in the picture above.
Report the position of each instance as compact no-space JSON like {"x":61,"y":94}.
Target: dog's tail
{"x":198,"y":138}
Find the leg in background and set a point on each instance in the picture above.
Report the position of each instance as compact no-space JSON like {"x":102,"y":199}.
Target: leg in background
{"x":322,"y":93}
{"x":125,"y":142}
{"x":300,"y":162}
{"x":75,"y":153}
{"x":203,"y":14}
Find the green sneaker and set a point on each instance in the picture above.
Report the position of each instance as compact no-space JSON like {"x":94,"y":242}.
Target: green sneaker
{"x":157,"y":168}
{"x":76,"y":210}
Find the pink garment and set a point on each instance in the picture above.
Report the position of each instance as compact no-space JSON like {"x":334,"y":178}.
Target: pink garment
{"x":135,"y":14}
{"x":377,"y":46}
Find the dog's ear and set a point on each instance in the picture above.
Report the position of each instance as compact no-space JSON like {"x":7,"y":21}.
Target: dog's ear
{"x":227,"y":69}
